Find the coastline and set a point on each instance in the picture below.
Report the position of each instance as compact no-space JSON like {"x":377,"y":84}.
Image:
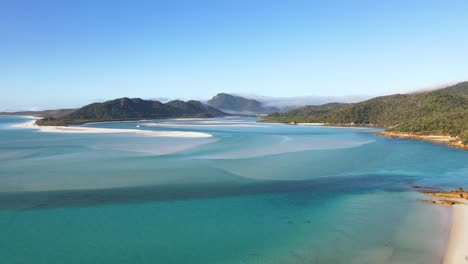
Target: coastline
{"x":450,"y":141}
{"x":94,"y":130}
{"x":447,"y":140}
{"x":457,"y":249}
{"x":293,"y":123}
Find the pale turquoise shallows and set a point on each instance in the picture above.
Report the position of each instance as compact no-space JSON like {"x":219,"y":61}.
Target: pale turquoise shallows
{"x":251,"y":193}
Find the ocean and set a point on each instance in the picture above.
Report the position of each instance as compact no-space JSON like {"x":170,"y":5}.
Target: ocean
{"x":251,"y":193}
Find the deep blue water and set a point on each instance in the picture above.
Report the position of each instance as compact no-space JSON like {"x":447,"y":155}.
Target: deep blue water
{"x":252,"y":193}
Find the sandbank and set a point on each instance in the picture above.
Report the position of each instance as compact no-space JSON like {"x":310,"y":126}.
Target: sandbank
{"x":310,"y":124}
{"x":94,"y":130}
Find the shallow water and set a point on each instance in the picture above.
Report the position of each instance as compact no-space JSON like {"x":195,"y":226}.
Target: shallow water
{"x":253,"y":193}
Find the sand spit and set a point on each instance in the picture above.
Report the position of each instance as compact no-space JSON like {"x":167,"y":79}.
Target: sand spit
{"x":94,"y":130}
{"x":310,"y":124}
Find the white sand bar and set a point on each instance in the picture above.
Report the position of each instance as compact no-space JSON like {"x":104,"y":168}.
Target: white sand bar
{"x":310,"y":124}
{"x":457,"y":250}
{"x":96,"y":130}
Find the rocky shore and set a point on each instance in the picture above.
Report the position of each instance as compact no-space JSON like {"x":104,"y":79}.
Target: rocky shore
{"x":448,"y":140}
{"x":447,"y":198}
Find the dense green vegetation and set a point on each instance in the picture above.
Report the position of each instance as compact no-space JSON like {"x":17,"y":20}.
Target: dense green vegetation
{"x":133,"y":109}
{"x":459,"y":88}
{"x":237,"y":104}
{"x":441,"y":112}
{"x":306,"y":114}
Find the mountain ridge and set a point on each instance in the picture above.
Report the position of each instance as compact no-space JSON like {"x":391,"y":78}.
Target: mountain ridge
{"x":238,"y":104}
{"x":134,"y":109}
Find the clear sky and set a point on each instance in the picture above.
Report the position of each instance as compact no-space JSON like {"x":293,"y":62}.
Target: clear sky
{"x":69,"y":53}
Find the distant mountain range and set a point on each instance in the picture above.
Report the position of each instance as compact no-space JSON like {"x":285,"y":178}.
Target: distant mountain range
{"x":255,"y":104}
{"x":228,"y":103}
{"x":240,"y":105}
{"x":43,"y":113}
{"x":293,"y":102}
{"x":439,"y":112}
{"x":133,"y":109}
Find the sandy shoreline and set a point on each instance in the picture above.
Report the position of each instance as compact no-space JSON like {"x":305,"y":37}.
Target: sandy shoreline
{"x":310,"y":124}
{"x":94,"y":130}
{"x":457,"y":249}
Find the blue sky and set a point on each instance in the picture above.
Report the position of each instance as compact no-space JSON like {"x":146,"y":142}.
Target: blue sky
{"x":69,"y":53}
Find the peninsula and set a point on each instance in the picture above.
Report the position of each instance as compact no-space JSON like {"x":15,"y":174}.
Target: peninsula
{"x":441,"y":114}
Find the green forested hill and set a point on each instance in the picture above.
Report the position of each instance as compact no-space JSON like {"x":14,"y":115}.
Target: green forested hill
{"x":459,"y":88}
{"x":432,"y":113}
{"x":310,"y":113}
{"x":128,"y":109}
{"x":238,"y":104}
{"x":443,"y":112}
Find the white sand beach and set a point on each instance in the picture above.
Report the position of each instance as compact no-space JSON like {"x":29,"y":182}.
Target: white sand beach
{"x":30,"y":124}
{"x":310,"y":124}
{"x":94,"y":130}
{"x":457,"y":250}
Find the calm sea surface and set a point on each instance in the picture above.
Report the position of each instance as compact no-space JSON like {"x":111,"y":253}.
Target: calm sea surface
{"x":252,"y":193}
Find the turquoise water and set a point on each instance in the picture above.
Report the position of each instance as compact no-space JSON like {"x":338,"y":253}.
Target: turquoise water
{"x":252,"y":193}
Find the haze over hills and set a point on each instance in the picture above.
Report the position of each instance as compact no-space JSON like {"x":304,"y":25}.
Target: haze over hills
{"x":132,"y":109}
{"x":43,"y":113}
{"x":440,"y":112}
{"x":231,"y":103}
{"x":305,"y":112}
{"x":459,"y":88}
{"x":294,"y":102}
{"x":237,"y":104}
{"x":257,"y":104}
